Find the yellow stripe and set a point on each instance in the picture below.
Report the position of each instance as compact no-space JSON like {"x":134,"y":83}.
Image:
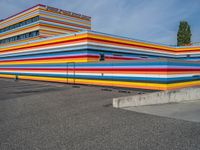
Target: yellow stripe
{"x":183,"y":84}
{"x":49,"y":32}
{"x":7,"y":76}
{"x":154,"y":86}
{"x":45,"y":61}
{"x":60,"y":27}
{"x":102,"y":37}
{"x":50,"y":29}
{"x":49,"y":41}
{"x":19,"y":41}
{"x":66,"y":20}
{"x":97,"y":82}
{"x":73,"y":37}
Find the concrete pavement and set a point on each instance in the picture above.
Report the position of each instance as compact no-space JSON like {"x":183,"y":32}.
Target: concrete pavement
{"x":189,"y":110}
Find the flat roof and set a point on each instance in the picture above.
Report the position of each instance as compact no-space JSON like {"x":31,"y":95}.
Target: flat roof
{"x":102,"y":34}
{"x":56,"y":10}
{"x":173,"y":49}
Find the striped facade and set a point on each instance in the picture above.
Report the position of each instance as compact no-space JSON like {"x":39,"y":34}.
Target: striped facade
{"x":160,"y":74}
{"x":74,"y":58}
{"x":49,"y":44}
{"x":41,"y":21}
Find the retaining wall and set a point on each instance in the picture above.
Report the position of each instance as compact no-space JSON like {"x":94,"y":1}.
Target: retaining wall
{"x":163,"y":97}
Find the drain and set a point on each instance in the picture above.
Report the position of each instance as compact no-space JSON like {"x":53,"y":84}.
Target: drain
{"x":75,"y":86}
{"x":123,"y":91}
{"x":140,"y":93}
{"x":106,"y":90}
{"x":107,"y":105}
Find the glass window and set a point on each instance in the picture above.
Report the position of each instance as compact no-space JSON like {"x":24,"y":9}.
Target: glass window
{"x":37,"y":33}
{"x":34,"y":19}
{"x":34,"y":33}
{"x":20,"y":37}
{"x":30,"y":34}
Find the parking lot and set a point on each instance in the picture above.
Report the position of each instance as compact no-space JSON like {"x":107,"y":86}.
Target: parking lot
{"x":51,"y":116}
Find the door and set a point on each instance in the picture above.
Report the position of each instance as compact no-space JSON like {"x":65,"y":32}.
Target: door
{"x":70,"y":73}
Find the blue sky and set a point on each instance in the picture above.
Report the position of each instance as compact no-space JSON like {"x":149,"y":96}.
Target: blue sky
{"x":149,"y":20}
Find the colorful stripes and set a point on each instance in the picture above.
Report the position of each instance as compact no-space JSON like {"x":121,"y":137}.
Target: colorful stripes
{"x":158,"y":75}
{"x":106,"y":44}
{"x":74,"y":58}
{"x":50,"y":23}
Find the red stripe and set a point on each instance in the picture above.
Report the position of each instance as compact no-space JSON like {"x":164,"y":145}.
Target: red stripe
{"x":65,"y":23}
{"x":105,"y":69}
{"x":136,"y":69}
{"x":58,"y":57}
{"x":145,"y":47}
{"x":126,"y":44}
{"x":43,"y":45}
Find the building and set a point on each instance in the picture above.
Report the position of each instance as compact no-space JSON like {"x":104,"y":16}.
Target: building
{"x":41,"y":21}
{"x":89,"y":57}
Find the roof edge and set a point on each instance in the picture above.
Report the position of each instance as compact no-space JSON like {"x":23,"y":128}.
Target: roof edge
{"x":22,"y":12}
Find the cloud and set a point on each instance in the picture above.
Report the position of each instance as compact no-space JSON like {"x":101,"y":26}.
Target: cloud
{"x":155,"y":20}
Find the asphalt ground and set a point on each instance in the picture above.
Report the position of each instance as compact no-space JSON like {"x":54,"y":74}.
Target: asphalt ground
{"x":48,"y":116}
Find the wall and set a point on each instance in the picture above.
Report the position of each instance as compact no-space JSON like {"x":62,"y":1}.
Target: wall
{"x":50,"y":22}
{"x":161,"y":74}
{"x":74,"y":58}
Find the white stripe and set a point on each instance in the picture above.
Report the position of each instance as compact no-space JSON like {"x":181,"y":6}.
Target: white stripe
{"x":105,"y":74}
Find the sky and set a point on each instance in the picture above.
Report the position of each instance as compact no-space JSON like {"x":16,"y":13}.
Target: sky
{"x":149,"y":20}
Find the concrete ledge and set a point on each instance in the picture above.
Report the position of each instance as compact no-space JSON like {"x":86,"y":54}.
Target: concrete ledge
{"x":163,"y":97}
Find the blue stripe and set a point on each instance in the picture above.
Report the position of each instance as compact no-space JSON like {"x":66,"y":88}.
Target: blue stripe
{"x":137,"y":79}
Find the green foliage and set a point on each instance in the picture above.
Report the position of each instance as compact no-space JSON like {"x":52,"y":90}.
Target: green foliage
{"x":184,"y":34}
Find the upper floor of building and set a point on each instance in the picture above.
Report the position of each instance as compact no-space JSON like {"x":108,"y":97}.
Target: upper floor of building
{"x":41,"y":21}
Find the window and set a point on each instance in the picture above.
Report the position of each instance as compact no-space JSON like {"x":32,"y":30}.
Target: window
{"x":26,"y":35}
{"x":37,"y":33}
{"x":20,"y":37}
{"x":23,"y":23}
{"x":30,"y":34}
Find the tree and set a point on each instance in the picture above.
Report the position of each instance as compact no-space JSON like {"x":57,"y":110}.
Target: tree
{"x":184,"y":34}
